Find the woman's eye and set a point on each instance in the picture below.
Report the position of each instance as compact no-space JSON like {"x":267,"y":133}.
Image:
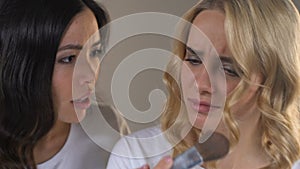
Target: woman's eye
{"x":96,"y":52}
{"x":67,"y":59}
{"x":193,"y":60}
{"x":230,"y":71}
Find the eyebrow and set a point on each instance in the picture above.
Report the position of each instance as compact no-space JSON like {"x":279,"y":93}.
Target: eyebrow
{"x":195,"y":52}
{"x":97,"y":43}
{"x":226,"y":59}
{"x":201,"y":53}
{"x":70,"y":46}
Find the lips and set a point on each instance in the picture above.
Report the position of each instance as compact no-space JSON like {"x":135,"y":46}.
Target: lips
{"x":83,"y":102}
{"x":201,"y":107}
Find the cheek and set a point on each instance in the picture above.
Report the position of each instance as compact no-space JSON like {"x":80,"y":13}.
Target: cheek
{"x":56,"y":94}
{"x":246,"y":103}
{"x":231,"y":84}
{"x":62,"y":88}
{"x":190,"y":90}
{"x":188,"y":82}
{"x":97,"y":72}
{"x":246,"y":107}
{"x":62,"y":95}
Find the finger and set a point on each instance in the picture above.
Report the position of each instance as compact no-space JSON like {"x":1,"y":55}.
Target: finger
{"x":146,"y":166}
{"x":165,"y":163}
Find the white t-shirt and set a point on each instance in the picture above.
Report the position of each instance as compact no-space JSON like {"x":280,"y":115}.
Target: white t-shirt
{"x":147,"y":146}
{"x":79,"y":152}
{"x":296,"y":165}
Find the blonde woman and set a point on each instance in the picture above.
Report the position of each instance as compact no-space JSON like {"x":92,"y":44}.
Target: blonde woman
{"x":257,"y":42}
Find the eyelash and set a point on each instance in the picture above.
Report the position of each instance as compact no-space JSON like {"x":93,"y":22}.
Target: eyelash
{"x":70,"y":59}
{"x":96,"y":52}
{"x":196,"y":61}
{"x":192,"y":59}
{"x":230,"y":72}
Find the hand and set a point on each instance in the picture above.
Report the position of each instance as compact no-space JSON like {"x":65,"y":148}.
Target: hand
{"x":164,"y":163}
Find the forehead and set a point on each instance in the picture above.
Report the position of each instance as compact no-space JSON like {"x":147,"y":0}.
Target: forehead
{"x":82,"y":27}
{"x":208,"y":32}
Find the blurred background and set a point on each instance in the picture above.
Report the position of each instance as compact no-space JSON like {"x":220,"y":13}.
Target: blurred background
{"x":148,"y":80}
{"x":145,"y":81}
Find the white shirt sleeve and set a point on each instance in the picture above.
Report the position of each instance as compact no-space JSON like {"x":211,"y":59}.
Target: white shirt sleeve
{"x":296,"y":165}
{"x":143,"y":147}
{"x":122,"y":157}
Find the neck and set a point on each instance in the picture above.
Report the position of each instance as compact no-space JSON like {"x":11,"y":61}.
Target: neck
{"x":248,"y":153}
{"x":52,"y":143}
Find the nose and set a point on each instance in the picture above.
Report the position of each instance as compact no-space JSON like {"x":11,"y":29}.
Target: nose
{"x":202,"y":80}
{"x":87,"y":72}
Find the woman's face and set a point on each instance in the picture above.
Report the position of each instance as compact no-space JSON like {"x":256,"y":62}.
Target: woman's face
{"x":71,"y":107}
{"x":199,"y":82}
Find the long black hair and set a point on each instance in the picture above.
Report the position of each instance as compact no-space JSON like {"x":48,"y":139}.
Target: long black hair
{"x":30,"y":34}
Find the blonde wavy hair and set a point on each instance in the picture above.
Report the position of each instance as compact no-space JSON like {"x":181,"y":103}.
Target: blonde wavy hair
{"x":264,"y":37}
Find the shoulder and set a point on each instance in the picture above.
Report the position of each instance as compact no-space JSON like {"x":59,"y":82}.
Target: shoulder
{"x":296,"y":165}
{"x":148,"y":132}
{"x":83,"y":145}
{"x":145,"y":146}
{"x":142,"y":138}
{"x":78,"y":152}
{"x":136,"y":140}
{"x":83,"y":151}
{"x":148,"y":142}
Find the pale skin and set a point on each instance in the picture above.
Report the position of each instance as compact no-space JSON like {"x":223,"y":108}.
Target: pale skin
{"x":71,"y":107}
{"x":247,"y":154}
{"x":164,"y":163}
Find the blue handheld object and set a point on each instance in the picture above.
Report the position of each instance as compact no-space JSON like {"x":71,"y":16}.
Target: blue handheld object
{"x":188,"y":159}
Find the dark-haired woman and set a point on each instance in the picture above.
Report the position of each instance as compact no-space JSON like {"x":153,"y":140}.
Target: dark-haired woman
{"x":41,"y":95}
{"x":239,"y":60}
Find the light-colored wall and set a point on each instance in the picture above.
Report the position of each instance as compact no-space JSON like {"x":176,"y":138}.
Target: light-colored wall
{"x":148,"y":80}
{"x":145,"y":81}
{"x":297,"y":2}
{"x":119,"y":8}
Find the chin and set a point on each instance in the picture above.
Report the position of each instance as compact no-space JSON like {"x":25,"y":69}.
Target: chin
{"x":75,"y":117}
{"x":198,"y":122}
{"x":79,"y":116}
